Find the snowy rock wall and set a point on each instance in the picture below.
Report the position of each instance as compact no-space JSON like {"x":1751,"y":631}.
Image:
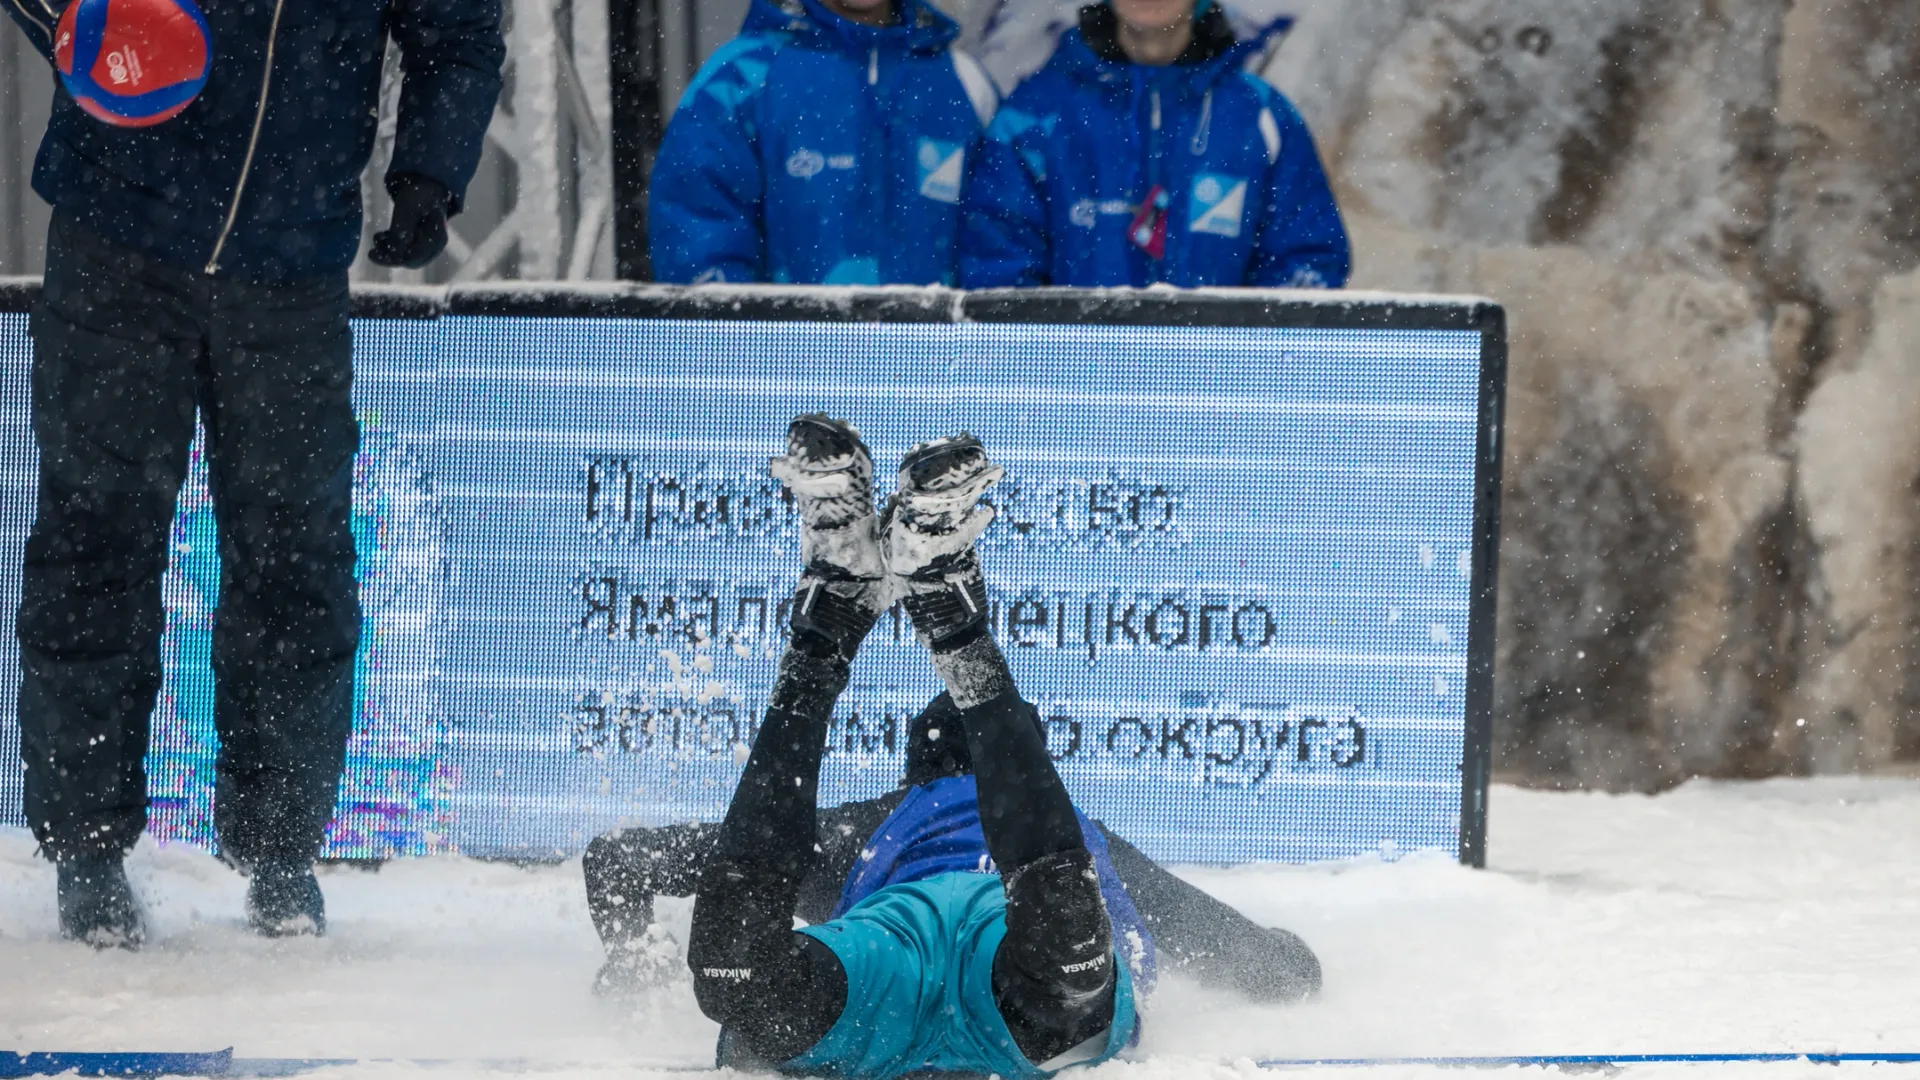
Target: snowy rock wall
{"x":1703,"y":217}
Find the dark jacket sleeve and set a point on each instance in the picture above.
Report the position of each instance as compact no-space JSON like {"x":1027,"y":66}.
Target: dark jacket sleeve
{"x":450,"y":53}
{"x":37,"y":18}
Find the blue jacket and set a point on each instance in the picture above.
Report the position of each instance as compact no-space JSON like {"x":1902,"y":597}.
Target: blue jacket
{"x":936,"y":830}
{"x":1070,"y":158}
{"x":167,"y":189}
{"x":816,"y":150}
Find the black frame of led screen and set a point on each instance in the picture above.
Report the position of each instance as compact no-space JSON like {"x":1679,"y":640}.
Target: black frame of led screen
{"x":1210,"y":307}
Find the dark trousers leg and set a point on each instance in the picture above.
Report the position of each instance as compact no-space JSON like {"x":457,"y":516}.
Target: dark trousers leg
{"x":116,"y":344}
{"x":1210,"y":940}
{"x":281,"y":439}
{"x":1053,"y":978}
{"x":776,"y":991}
{"x":625,"y":869}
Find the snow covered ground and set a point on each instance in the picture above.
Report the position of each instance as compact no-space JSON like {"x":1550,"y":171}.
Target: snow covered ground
{"x":1720,"y":917}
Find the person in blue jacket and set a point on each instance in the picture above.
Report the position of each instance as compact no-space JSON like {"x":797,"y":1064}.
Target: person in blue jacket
{"x":199,"y":267}
{"x":1143,"y":153}
{"x":827,"y":144}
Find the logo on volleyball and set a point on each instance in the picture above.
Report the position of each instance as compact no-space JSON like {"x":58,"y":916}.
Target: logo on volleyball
{"x":132,"y":63}
{"x":123,"y":66}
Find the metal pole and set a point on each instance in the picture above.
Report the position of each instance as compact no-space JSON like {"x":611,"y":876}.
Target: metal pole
{"x":637,"y":127}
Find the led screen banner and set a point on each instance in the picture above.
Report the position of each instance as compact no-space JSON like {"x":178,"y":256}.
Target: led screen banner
{"x":1243,"y":563}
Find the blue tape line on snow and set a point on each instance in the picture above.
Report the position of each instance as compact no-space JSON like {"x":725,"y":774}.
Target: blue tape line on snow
{"x":1594,"y":1059}
{"x":14,"y":1064}
{"x":271,"y":1067}
{"x":263,"y":1068}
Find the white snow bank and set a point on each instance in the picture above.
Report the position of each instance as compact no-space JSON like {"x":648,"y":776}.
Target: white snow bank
{"x":1774,"y":916}
{"x":843,"y":298}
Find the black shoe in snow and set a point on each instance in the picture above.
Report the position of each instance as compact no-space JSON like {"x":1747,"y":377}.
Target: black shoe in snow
{"x":843,"y":588}
{"x":284,"y":900}
{"x":96,"y":903}
{"x":931,"y":525}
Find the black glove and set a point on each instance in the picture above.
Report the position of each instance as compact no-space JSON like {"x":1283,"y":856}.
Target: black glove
{"x":418,"y":233}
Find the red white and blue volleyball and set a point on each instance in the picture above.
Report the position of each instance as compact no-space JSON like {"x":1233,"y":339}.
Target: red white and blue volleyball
{"x":133,"y":63}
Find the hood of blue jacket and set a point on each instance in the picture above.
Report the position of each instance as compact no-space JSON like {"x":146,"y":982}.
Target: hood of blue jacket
{"x":921,"y":28}
{"x":1077,"y":58}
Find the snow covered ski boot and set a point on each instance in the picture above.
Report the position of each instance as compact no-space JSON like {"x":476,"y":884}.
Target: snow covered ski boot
{"x":843,"y":587}
{"x":96,"y":903}
{"x":932,"y":523}
{"x":284,"y":900}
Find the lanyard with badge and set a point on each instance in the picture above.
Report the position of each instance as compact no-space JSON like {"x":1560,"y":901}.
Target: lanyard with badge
{"x":1149,"y":229}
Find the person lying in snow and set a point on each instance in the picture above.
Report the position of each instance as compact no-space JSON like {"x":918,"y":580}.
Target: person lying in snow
{"x":983,"y":924}
{"x":1193,"y":933}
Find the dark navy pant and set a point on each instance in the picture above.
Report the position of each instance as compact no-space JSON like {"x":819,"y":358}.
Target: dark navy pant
{"x":125,"y":350}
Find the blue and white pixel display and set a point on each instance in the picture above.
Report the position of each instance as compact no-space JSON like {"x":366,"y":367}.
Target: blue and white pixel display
{"x":1232,"y":566}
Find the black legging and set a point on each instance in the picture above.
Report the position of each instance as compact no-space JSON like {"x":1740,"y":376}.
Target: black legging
{"x":1193,"y":933}
{"x":779,"y":992}
{"x":626,"y":869}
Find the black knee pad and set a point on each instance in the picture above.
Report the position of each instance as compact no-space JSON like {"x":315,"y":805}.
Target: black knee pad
{"x":1059,"y":939}
{"x":778,"y":990}
{"x":1054,"y":978}
{"x":772,"y":1019}
{"x":742,"y":924}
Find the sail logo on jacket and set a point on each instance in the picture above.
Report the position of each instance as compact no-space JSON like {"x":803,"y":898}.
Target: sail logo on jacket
{"x":941,"y":166}
{"x":1217,"y":205}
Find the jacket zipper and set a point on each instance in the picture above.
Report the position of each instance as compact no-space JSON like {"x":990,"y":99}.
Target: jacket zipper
{"x":1153,"y":168}
{"x":253,"y":143}
{"x":45,"y":27}
{"x":876,"y":139}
